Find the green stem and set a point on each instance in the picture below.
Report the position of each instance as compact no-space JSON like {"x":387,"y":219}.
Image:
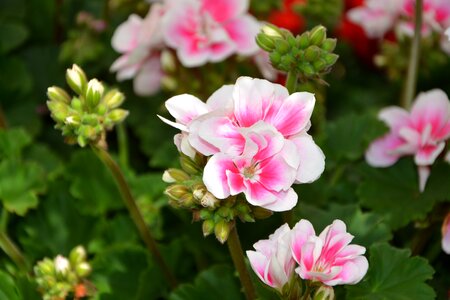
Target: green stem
{"x":411,"y":79}
{"x":291,"y":82}
{"x":234,"y":246}
{"x":123,"y":144}
{"x":135,"y":213}
{"x":307,"y":293}
{"x":8,"y":245}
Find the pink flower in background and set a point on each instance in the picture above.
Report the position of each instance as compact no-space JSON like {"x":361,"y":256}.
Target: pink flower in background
{"x":421,"y":133}
{"x":272,"y":261}
{"x":204,"y":31}
{"x":446,"y":234}
{"x":140,"y":42}
{"x":329,"y":257}
{"x":264,"y":172}
{"x":447,"y":33}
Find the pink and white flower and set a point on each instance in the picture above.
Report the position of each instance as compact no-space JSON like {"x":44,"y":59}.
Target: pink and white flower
{"x":264,"y":172}
{"x":204,"y":31}
{"x":140,"y":42}
{"x":421,"y":133}
{"x":329,"y":257}
{"x":446,"y":234}
{"x":272,"y":261}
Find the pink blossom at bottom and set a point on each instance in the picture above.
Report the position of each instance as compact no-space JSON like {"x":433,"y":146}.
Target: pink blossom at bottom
{"x":329,"y":257}
{"x":272,"y":261}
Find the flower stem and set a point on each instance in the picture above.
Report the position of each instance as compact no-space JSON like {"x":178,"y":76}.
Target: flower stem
{"x":8,"y":245}
{"x":234,"y":246}
{"x":411,"y":79}
{"x":123,"y":144}
{"x":135,"y":213}
{"x":291,"y":82}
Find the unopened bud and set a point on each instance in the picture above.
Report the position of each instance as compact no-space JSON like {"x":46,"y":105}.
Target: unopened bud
{"x":83,"y":269}
{"x":320,"y":64}
{"x":261,"y":213}
{"x":169,"y":83}
{"x":187,"y":200}
{"x":329,"y":44}
{"x":73,"y":120}
{"x":176,"y":191}
{"x":265,"y":42}
{"x":312,"y":53}
{"x":331,"y":58}
{"x":168,"y":61}
{"x":174,"y":175}
{"x":77,"y":255}
{"x":59,"y":110}
{"x":208,"y":227}
{"x":46,"y":267}
{"x":76,"y":79}
{"x":76,"y":104}
{"x":272,"y":31}
{"x":188,"y":165}
{"x":318,"y":35}
{"x":282,"y":46}
{"x":117,"y":115}
{"x":205,"y":214}
{"x":208,"y":200}
{"x":55,"y":93}
{"x":94,"y":93}
{"x":62,"y":265}
{"x":303,"y":40}
{"x":199,"y":192}
{"x":113,"y":99}
{"x":225,"y":212}
{"x":307,"y":69}
{"x":222,"y":230}
{"x":324,"y":293}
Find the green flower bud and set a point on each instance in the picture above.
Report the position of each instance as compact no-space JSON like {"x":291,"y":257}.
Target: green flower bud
{"x":77,"y":255}
{"x":265,"y":42}
{"x":208,"y":227}
{"x":187,"y":200}
{"x":57,"y":94}
{"x":307,"y":69}
{"x":330,"y":58}
{"x":225,"y":212}
{"x":208,"y":200}
{"x":76,"y":79}
{"x":101,"y":109}
{"x":83,"y":269}
{"x":113,"y":99}
{"x":272,"y":31}
{"x":312,"y":53}
{"x":176,"y":191}
{"x":199,"y":191}
{"x":282,"y":47}
{"x":174,"y":175}
{"x":261,"y":213}
{"x":318,"y":35}
{"x":275,"y":58}
{"x":73,"y":120}
{"x":76,"y":104}
{"x":222,"y":230}
{"x":188,"y":165}
{"x":117,"y":115}
{"x":94,"y":93}
{"x":46,"y":267}
{"x":320,"y":65}
{"x":82,"y":141}
{"x":324,"y":293}
{"x":168,"y":61}
{"x":59,"y":110}
{"x":88,"y":132}
{"x":329,"y":45}
{"x":303,"y":40}
{"x":291,"y":41}
{"x":205,"y":214}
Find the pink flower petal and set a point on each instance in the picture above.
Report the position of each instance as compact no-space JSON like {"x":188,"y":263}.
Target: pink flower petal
{"x":286,"y":200}
{"x":224,"y":10}
{"x":276,"y":174}
{"x":395,"y":117}
{"x":222,"y":98}
{"x":184,"y":108}
{"x":125,"y":37}
{"x":312,"y":159}
{"x":380,"y":152}
{"x":258,"y":262}
{"x":426,"y":155}
{"x":148,"y":81}
{"x":351,"y":273}
{"x":214,"y":175}
{"x":424,"y":173}
{"x":235,"y":182}
{"x":242,"y":31}
{"x":301,"y":233}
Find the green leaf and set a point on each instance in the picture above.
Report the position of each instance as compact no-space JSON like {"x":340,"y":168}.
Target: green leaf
{"x":92,"y":184}
{"x":12,"y":35}
{"x":8,"y":289}
{"x":217,"y":282}
{"x":393,"y":275}
{"x":20,"y":184}
{"x":367,"y":227}
{"x":12,"y":141}
{"x":400,"y":201}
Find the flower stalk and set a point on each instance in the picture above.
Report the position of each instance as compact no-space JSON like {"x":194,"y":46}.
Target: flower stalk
{"x":9,"y":247}
{"x":135,"y":213}
{"x":411,"y":79}
{"x":234,"y":246}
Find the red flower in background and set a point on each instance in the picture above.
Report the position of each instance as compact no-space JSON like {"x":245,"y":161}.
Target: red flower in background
{"x":287,"y":18}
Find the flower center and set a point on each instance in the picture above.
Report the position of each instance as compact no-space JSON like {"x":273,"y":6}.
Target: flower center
{"x":250,"y":171}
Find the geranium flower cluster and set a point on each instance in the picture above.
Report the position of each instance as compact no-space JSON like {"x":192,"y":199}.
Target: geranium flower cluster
{"x":422,"y":133}
{"x":328,"y":258}
{"x":200,"y":31}
{"x":378,"y":17}
{"x":255,"y":135}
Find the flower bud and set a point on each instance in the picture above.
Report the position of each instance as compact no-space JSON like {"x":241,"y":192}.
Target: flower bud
{"x":199,"y":192}
{"x":76,"y":79}
{"x":329,"y":45}
{"x":168,"y":61}
{"x":307,"y":69}
{"x":225,"y":212}
{"x":62,"y":265}
{"x":174,"y":175}
{"x":275,"y":58}
{"x":188,"y":165}
{"x":73,"y":120}
{"x":222,"y":230}
{"x":282,"y":47}
{"x":272,"y":31}
{"x":303,"y":40}
{"x":318,"y":35}
{"x":77,"y":255}
{"x":113,"y":99}
{"x":331,"y":58}
{"x":261,"y":213}
{"x":265,"y":42}
{"x":94,"y":93}
{"x":187,"y":200}
{"x":324,"y":293}
{"x":46,"y":267}
{"x":208,"y":200}
{"x":57,"y":94}
{"x":76,"y":104}
{"x":83,"y":269}
{"x":169,"y":83}
{"x":176,"y":191}
{"x":59,"y":110}
{"x":205,"y":214}
{"x":312,"y":53}
{"x":117,"y":115}
{"x":208,"y":227}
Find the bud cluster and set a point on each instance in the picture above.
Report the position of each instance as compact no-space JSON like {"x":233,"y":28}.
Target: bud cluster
{"x":187,"y":191}
{"x":309,"y":54}
{"x":85,"y":117}
{"x":60,"y":277}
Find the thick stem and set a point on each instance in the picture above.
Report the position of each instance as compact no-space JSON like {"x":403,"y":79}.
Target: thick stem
{"x":8,"y":245}
{"x":123,"y":144}
{"x":411,"y":79}
{"x":291,"y":82}
{"x":234,"y":245}
{"x":135,"y":213}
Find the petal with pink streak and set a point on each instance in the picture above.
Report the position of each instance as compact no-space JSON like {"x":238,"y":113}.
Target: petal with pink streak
{"x":380,"y":152}
{"x":148,"y":81}
{"x":294,"y":113}
{"x":276,"y":174}
{"x":258,"y":262}
{"x":268,"y":140}
{"x":125,"y":37}
{"x":424,"y":173}
{"x":312,"y":159}
{"x":235,"y":182}
{"x":351,"y":273}
{"x":395,"y":117}
{"x":286,"y":200}
{"x":124,"y":69}
{"x":310,"y":252}
{"x":215,"y":177}
{"x":242,"y":31}
{"x":222,"y":98}
{"x":277,"y":274}
{"x":433,"y":108}
{"x":426,"y":155}
{"x":184,"y":108}
{"x":224,"y":10}
{"x":301,"y":233}
{"x":196,"y":141}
